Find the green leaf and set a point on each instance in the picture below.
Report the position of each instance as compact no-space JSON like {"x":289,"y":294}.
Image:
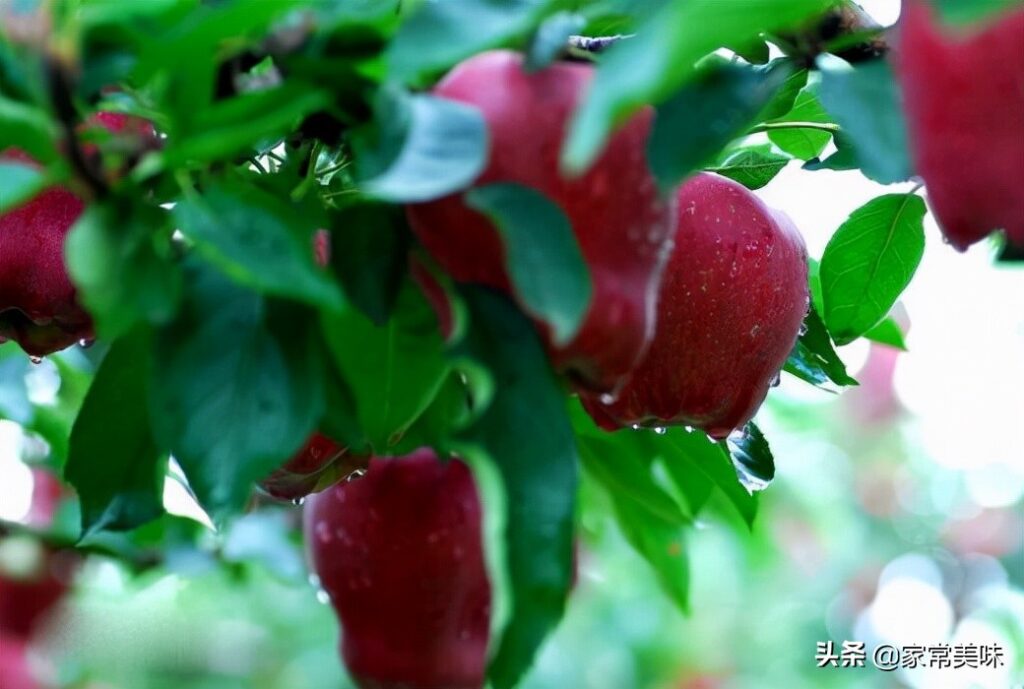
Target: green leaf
{"x":845,"y":157}
{"x":649,"y":517}
{"x":439,"y":34}
{"x":868,"y":263}
{"x":785,"y":97}
{"x":393,"y":371}
{"x":803,"y":142}
{"x":543,"y":259}
{"x":752,"y":458}
{"x":369,"y":245}
{"x":663,"y":56}
{"x":865,"y":101}
{"x":237,"y":387}
{"x":887,"y":332}
{"x":259,"y":240}
{"x":753,"y":167}
{"x":756,"y":52}
{"x":526,"y":433}
{"x":974,"y":11}
{"x":551,"y":38}
{"x":813,"y":358}
{"x":119,"y":258}
{"x":241,"y":123}
{"x":18,"y":183}
{"x":113,"y":461}
{"x":698,"y":466}
{"x":718,"y":105}
{"x":444,"y":149}
{"x":27,"y":128}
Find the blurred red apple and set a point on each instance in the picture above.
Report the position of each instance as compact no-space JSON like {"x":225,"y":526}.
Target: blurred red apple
{"x":963,"y":92}
{"x":400,"y":553}
{"x":15,"y":672}
{"x":623,"y":225}
{"x":34,"y":578}
{"x":731,"y":305}
{"x":39,"y":308}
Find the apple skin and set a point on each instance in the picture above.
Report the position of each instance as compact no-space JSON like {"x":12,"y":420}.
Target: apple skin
{"x":730,"y":310}
{"x":14,"y":669}
{"x":623,"y":224}
{"x":400,"y":553}
{"x":39,"y":308}
{"x":318,"y":465}
{"x":963,"y":93}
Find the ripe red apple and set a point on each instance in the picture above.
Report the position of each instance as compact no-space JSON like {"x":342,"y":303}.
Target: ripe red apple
{"x":622,"y":223}
{"x":731,"y":305}
{"x":38,"y":305}
{"x":963,"y":93}
{"x":400,"y":553}
{"x":34,"y":577}
{"x":318,"y":465}
{"x":15,"y":672}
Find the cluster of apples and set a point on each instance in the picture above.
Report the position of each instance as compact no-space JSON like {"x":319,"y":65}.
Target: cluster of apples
{"x":698,"y":297}
{"x":34,"y":579}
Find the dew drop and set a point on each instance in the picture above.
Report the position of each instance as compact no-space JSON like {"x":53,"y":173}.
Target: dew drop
{"x":660,"y":430}
{"x":298,"y":502}
{"x":635,"y":427}
{"x":777,"y":380}
{"x":36,"y":360}
{"x":85,"y":343}
{"x":323,"y":597}
{"x":608,"y":398}
{"x":323,"y":532}
{"x":803,"y":329}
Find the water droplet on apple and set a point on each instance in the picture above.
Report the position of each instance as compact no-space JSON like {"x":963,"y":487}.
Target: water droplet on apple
{"x":298,"y":502}
{"x":635,"y":427}
{"x":323,"y":597}
{"x":36,"y":360}
{"x":314,"y":581}
{"x":660,"y":430}
{"x":323,"y":532}
{"x":85,"y":343}
{"x":608,"y":398}
{"x":777,"y":380}
{"x":803,"y":329}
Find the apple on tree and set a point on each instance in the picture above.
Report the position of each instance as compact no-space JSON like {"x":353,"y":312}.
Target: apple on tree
{"x":400,"y":553}
{"x":34,"y":578}
{"x":39,"y":308}
{"x":623,"y":224}
{"x":963,"y":93}
{"x":319,"y":464}
{"x":730,"y":309}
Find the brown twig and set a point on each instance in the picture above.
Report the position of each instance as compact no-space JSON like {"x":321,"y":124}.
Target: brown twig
{"x":60,"y":85}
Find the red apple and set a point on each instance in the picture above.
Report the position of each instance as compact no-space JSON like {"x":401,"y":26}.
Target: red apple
{"x":963,"y":93}
{"x":15,"y":672}
{"x":400,"y":553}
{"x":34,"y":578}
{"x":39,"y":308}
{"x":622,"y":223}
{"x":318,"y":465}
{"x":731,"y":305}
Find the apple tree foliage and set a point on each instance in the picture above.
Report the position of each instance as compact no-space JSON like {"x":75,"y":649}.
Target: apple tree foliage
{"x":221,"y":342}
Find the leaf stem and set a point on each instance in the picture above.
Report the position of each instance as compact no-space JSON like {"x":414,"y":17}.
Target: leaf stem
{"x":822,"y":126}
